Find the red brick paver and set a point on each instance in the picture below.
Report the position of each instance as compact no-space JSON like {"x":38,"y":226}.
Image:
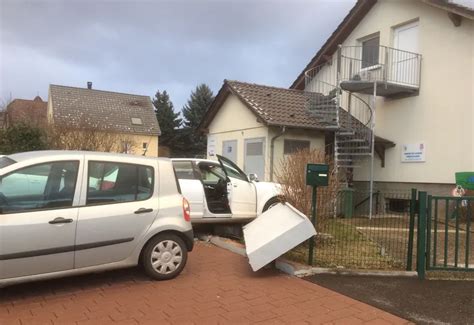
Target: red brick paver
{"x":216,"y":287}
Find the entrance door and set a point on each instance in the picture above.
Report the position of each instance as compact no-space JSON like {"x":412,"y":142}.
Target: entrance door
{"x":229,"y":150}
{"x":405,"y":61}
{"x":254,"y":161}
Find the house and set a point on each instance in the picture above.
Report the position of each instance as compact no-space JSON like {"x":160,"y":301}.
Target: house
{"x":129,"y":119}
{"x":404,"y":73}
{"x":2,"y":119}
{"x":31,"y":112}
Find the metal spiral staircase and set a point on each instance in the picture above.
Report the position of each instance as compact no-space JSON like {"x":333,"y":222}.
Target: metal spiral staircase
{"x":344,"y":113}
{"x":331,"y":97}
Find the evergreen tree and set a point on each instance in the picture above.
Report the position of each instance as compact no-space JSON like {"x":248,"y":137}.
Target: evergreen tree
{"x":193,"y":112}
{"x":169,"y":120}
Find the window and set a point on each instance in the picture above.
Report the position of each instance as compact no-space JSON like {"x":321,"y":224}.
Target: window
{"x":254,"y":148}
{"x":115,"y":183}
{"x":370,"y":52}
{"x":5,"y":161}
{"x":292,"y":146}
{"x":43,"y":186}
{"x":144,"y":145}
{"x":399,"y":205}
{"x":184,"y":169}
{"x":137,"y":121}
{"x":211,"y":173}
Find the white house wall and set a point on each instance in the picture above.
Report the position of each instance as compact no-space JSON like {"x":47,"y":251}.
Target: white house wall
{"x":235,"y":121}
{"x":441,"y":116}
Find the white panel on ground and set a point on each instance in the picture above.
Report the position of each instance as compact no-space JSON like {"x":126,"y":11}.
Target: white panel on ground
{"x":274,"y":233}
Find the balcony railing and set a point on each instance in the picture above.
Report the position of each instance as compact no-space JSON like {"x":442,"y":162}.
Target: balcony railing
{"x":360,"y":66}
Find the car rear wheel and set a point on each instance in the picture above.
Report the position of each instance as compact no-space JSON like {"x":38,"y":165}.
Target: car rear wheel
{"x":164,"y":257}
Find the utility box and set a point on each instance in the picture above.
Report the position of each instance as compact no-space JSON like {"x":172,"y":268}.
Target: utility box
{"x":317,"y":174}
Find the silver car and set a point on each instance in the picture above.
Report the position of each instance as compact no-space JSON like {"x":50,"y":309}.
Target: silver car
{"x":71,"y":212}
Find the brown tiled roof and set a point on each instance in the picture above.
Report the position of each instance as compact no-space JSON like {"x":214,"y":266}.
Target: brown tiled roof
{"x":353,"y":18}
{"x":27,"y":111}
{"x":106,"y":110}
{"x":273,"y":106}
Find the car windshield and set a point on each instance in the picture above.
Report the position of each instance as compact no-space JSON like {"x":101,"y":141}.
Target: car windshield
{"x":5,"y":161}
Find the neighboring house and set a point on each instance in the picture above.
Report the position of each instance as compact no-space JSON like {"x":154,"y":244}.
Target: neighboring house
{"x":130,"y":117}
{"x":2,"y":119}
{"x":418,"y":54}
{"x":31,"y":112}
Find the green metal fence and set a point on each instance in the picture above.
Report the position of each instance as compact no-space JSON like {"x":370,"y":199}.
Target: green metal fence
{"x":449,"y":244}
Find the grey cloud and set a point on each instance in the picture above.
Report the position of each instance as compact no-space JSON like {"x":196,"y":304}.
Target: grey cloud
{"x":142,"y":46}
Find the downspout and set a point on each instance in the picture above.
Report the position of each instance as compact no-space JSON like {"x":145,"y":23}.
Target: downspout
{"x":272,"y":149}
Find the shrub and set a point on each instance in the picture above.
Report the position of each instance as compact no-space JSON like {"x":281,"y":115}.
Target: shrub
{"x":292,"y":175}
{"x":21,"y":138}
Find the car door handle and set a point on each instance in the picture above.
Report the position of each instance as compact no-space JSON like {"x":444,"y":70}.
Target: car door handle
{"x":143,"y":210}
{"x":60,"y":220}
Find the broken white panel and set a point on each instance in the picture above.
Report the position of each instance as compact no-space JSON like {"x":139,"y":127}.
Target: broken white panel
{"x":275,"y":232}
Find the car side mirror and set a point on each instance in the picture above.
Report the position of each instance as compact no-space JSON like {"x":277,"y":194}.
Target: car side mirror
{"x":253,"y":177}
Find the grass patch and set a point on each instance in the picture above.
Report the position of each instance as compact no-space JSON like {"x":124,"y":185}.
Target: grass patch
{"x":342,"y":245}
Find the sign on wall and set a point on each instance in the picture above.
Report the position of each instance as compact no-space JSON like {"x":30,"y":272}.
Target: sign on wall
{"x":414,"y":152}
{"x":211,"y":146}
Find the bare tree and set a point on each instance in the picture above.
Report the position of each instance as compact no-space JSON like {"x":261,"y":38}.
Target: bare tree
{"x":88,"y":138}
{"x":292,"y":175}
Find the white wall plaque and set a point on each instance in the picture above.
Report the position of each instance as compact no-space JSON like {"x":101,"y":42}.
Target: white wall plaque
{"x":414,"y":152}
{"x":211,"y":146}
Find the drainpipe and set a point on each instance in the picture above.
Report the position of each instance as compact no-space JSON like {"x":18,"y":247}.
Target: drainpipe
{"x":272,"y":149}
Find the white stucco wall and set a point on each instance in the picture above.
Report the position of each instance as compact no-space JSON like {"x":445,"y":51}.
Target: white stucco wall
{"x":234,"y":121}
{"x":442,"y":115}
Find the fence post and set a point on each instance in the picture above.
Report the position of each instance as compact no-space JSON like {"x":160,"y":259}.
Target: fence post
{"x":313,"y":221}
{"x":421,"y":237}
{"x":411,"y":233}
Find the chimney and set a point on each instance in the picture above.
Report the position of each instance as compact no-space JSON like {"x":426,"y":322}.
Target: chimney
{"x":89,"y":85}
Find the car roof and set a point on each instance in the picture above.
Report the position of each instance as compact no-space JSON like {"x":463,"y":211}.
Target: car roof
{"x":195,"y":159}
{"x":19,"y":157}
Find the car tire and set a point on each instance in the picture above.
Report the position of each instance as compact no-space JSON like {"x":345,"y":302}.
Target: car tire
{"x":271,"y":202}
{"x":164,"y":257}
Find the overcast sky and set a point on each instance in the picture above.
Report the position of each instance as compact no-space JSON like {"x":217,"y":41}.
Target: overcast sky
{"x":141,"y":46}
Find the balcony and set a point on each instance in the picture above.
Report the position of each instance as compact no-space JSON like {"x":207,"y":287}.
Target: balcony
{"x":394,"y":73}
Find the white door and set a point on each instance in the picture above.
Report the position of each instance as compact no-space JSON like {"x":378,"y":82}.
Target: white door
{"x":37,"y":219}
{"x":254,"y":161}
{"x":191,"y":187}
{"x":405,"y":61}
{"x":242,"y":193}
{"x":121,"y":203}
{"x":229,"y":150}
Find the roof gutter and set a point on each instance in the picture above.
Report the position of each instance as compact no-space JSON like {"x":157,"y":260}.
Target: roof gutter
{"x":272,"y":149}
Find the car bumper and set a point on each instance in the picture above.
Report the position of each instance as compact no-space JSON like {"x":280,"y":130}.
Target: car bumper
{"x":189,"y":239}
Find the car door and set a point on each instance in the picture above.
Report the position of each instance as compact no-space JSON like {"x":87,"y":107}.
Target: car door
{"x":120,"y":204}
{"x":38,"y":218}
{"x":242,"y":193}
{"x":191,"y":186}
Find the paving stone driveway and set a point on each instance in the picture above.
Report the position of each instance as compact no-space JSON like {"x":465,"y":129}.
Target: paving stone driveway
{"x":216,"y":287}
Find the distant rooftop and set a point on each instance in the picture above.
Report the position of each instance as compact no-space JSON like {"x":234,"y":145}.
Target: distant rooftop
{"x":105,"y":110}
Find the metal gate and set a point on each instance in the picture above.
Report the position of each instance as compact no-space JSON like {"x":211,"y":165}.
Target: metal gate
{"x":445,"y":233}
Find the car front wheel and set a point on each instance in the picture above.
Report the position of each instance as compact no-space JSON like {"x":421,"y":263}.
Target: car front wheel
{"x":164,"y":256}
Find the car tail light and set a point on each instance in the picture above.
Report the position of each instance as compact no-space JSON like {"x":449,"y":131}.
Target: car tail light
{"x":186,"y":210}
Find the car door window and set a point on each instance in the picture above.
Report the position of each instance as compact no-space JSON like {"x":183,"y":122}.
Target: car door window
{"x":231,"y":169}
{"x":184,"y":169}
{"x":211,"y":173}
{"x":116,"y":182}
{"x":42,"y":186}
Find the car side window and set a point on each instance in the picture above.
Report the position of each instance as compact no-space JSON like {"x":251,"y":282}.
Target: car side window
{"x":43,"y":186}
{"x":116,"y":182}
{"x":211,"y":173}
{"x":184,"y":169}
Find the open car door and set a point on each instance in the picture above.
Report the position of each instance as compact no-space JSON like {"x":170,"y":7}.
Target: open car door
{"x":241,"y":192}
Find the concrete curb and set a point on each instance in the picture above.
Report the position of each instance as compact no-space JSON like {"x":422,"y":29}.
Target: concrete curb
{"x":302,"y":270}
{"x":228,"y":244}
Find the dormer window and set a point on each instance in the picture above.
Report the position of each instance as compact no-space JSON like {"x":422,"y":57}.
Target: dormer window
{"x":137,"y":121}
